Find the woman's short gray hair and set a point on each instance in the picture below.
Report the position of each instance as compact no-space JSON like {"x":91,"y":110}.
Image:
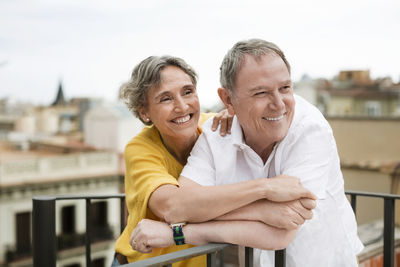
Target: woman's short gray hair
{"x":147,"y":75}
{"x":233,"y":60}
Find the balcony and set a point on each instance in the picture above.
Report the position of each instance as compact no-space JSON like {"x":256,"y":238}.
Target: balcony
{"x":45,"y":241}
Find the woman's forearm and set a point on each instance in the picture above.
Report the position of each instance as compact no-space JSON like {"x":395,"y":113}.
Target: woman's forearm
{"x":192,"y":202}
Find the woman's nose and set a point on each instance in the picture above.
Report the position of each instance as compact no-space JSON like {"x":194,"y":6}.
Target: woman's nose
{"x":180,"y":104}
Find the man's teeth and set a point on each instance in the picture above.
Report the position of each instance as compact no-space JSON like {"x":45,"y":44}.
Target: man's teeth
{"x":274,"y":119}
{"x":182,"y":119}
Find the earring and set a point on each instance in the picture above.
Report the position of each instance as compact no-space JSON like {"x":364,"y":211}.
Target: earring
{"x":147,"y":119}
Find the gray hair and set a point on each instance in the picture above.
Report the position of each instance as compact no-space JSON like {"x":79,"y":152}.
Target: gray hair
{"x":234,"y":59}
{"x":147,"y":75}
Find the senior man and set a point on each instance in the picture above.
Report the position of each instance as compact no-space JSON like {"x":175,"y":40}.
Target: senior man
{"x":276,"y":133}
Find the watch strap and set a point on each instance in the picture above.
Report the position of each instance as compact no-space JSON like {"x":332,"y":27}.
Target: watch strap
{"x":178,"y":234}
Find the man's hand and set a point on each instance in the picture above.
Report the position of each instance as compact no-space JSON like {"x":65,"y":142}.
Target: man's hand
{"x":283,"y":188}
{"x":224,"y":119}
{"x":150,"y":234}
{"x":285,"y":215}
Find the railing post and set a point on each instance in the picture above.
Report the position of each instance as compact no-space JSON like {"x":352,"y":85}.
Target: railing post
{"x":122,"y":213}
{"x":88,"y":234}
{"x":388,"y":233}
{"x":280,"y":258}
{"x":354,"y":202}
{"x":44,"y":231}
{"x":212,"y":259}
{"x":248,"y":257}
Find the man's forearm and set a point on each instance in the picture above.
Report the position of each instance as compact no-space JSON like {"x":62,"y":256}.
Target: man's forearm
{"x":244,"y":233}
{"x":285,"y":215}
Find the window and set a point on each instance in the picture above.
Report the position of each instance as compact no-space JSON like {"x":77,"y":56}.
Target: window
{"x":68,"y":220}
{"x":23,"y":232}
{"x":98,"y":262}
{"x":99,"y":214}
{"x":373,"y":108}
{"x":98,"y":222}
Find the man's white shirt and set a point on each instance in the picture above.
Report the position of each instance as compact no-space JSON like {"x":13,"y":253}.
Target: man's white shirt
{"x":308,"y":152}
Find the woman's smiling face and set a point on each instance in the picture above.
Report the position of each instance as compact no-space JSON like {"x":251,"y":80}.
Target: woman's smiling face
{"x":174,"y":106}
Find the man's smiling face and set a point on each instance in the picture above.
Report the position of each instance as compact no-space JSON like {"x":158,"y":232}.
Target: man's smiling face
{"x":263,"y":100}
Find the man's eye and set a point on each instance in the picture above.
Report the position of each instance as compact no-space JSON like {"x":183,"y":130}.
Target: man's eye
{"x":260,"y":93}
{"x":188,"y":91}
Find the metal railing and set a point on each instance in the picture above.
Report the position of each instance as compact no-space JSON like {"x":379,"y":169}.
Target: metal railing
{"x":44,"y":227}
{"x":388,"y":221}
{"x":45,"y":241}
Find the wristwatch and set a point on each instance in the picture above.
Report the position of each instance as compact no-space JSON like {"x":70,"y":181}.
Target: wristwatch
{"x":178,"y":233}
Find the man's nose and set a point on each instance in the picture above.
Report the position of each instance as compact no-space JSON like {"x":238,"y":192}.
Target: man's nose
{"x":277,"y":102}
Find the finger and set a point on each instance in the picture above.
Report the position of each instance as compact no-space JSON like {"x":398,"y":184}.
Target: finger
{"x":216,"y":121}
{"x":132,"y":240}
{"x":133,"y":244}
{"x":141,"y":247}
{"x":305,"y":213}
{"x":308,"y":194}
{"x":299,"y":220}
{"x":223,"y":126}
{"x":308,"y":203}
{"x":229,"y":124}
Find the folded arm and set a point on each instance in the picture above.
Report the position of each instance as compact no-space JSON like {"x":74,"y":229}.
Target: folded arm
{"x":151,"y":234}
{"x":285,"y":215}
{"x":176,"y":204}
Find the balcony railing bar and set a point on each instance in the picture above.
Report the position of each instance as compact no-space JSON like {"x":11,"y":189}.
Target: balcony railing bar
{"x":209,"y":249}
{"x":388,"y":222}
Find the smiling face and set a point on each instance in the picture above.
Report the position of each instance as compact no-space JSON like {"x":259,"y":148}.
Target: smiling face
{"x":263,"y":101}
{"x":174,"y":106}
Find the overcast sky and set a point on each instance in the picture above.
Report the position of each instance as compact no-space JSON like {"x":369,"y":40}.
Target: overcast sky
{"x":92,"y":46}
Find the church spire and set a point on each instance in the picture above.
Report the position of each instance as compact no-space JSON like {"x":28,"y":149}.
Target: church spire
{"x":60,"y":100}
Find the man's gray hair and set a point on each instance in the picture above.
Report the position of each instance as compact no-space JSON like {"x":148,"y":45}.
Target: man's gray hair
{"x":234,"y":59}
{"x":147,"y":75}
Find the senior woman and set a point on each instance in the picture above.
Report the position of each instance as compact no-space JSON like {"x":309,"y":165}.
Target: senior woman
{"x":162,"y":94}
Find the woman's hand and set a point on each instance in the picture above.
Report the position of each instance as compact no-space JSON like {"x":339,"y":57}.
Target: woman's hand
{"x":150,"y":234}
{"x":224,"y":120}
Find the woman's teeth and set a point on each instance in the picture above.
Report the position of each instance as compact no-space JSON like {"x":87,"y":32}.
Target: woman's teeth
{"x":182,"y":119}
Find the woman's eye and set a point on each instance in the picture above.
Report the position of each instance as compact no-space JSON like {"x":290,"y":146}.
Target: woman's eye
{"x":165,"y":99}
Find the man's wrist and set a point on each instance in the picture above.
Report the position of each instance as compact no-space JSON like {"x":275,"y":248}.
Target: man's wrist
{"x":265,"y":187}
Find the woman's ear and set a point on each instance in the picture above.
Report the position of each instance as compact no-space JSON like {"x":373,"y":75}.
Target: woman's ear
{"x":143,"y":114}
{"x":226,"y":98}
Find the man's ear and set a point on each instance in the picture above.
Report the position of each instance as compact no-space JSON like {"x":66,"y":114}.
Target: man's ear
{"x":226,"y":98}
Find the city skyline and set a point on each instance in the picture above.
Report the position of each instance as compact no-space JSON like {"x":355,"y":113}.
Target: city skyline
{"x":93,"y":46}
